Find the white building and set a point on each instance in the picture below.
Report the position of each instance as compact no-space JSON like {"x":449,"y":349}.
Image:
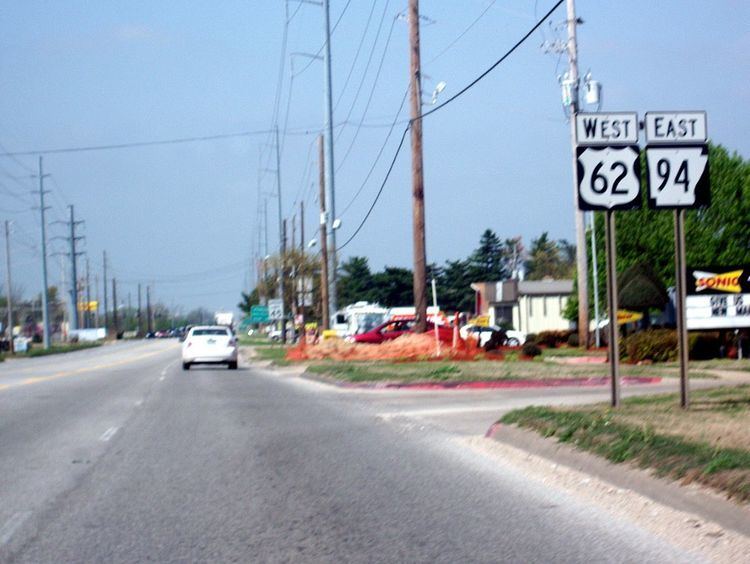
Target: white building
{"x":529,"y":306}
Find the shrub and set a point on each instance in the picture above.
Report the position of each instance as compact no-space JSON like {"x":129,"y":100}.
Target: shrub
{"x":704,"y":346}
{"x":531,"y":349}
{"x":657,"y":345}
{"x":553,"y":339}
{"x":532,"y":338}
{"x":573,"y":340}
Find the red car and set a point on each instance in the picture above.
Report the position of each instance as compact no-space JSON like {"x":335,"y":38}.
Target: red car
{"x":392,"y":329}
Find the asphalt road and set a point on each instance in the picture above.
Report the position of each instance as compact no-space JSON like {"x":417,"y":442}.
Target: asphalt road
{"x":117,"y":455}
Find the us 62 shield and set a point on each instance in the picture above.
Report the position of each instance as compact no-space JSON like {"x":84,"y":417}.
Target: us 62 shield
{"x":609,"y":178}
{"x":677,"y":176}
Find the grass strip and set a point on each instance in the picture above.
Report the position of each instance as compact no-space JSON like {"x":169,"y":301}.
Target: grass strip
{"x":57,"y":349}
{"x":600,"y":430}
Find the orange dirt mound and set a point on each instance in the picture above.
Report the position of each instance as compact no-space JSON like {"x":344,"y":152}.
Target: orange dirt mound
{"x":406,"y":347}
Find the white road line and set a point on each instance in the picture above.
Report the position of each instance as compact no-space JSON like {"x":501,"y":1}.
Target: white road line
{"x":139,"y":403}
{"x":161,"y":378}
{"x":442,"y":411}
{"x":12,"y":525}
{"x":108,"y":434}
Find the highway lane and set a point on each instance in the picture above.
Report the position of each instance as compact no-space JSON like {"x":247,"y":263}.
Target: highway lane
{"x":216,"y":465}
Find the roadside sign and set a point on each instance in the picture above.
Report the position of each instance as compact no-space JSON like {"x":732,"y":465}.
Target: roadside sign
{"x":609,"y":178}
{"x":259,"y":314}
{"x":677,"y":176}
{"x":275,"y":310}
{"x":677,"y":160}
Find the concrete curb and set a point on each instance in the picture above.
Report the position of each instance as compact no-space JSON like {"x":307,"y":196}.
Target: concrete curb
{"x":479,"y":384}
{"x":694,"y":500}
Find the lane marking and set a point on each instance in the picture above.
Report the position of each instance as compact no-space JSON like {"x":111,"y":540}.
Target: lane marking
{"x":161,"y":378}
{"x":67,"y":373}
{"x":12,"y":525}
{"x":139,"y":403}
{"x":442,"y":411}
{"x":108,"y":434}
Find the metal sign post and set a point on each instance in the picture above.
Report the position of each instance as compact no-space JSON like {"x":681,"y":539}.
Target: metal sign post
{"x":614,"y":331}
{"x":677,"y":163}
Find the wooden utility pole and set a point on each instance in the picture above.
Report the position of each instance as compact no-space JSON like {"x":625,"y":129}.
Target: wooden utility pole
{"x":88,"y":296}
{"x":106,"y":312}
{"x":323,"y":240}
{"x":149,"y":322}
{"x":9,"y":302}
{"x":418,"y":225}
{"x":114,"y":306}
{"x":140,"y":324}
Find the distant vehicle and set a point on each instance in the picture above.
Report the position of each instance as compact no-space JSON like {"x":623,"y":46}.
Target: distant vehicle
{"x":150,"y":335}
{"x":358,"y":318}
{"x":508,"y":338}
{"x":394,"y":329}
{"x":209,"y":344}
{"x":274,"y":334}
{"x":225,"y":318}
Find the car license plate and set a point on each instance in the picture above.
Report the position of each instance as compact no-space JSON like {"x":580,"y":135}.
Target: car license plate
{"x":211,"y":341}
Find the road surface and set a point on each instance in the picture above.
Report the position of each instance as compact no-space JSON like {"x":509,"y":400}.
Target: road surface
{"x":118,"y":455}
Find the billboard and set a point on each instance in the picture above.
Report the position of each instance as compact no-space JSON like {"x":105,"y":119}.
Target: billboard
{"x":718,"y":297}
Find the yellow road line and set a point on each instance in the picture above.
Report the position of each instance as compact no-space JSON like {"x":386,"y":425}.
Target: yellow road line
{"x":65,"y":374}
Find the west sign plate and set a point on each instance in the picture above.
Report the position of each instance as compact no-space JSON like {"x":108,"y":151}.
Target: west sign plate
{"x":609,"y":178}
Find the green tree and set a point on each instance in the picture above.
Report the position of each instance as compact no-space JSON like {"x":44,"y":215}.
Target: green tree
{"x":640,"y":289}
{"x":355,"y":281}
{"x":393,"y":287}
{"x":454,"y":286}
{"x":488,"y":261}
{"x":548,"y":258}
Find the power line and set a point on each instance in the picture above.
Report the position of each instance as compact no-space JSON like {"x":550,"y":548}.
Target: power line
{"x":495,"y":64}
{"x":460,"y":35}
{"x":356,"y":55}
{"x":320,"y":49}
{"x":448,"y":101}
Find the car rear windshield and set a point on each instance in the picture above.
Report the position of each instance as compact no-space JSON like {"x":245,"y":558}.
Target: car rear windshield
{"x":199,"y":332}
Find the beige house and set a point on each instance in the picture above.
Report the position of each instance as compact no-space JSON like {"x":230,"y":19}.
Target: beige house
{"x":529,"y":306}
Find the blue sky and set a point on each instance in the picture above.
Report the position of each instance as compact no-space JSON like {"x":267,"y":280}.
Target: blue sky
{"x":184,"y":217}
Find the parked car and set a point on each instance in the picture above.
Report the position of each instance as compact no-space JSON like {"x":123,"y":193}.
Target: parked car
{"x":209,"y":344}
{"x":393,"y":329}
{"x":508,"y":338}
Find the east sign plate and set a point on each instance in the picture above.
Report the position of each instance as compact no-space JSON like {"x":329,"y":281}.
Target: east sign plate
{"x":609,"y":168}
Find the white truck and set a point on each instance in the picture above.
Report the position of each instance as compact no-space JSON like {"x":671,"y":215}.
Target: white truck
{"x":358,"y":318}
{"x":225,"y":318}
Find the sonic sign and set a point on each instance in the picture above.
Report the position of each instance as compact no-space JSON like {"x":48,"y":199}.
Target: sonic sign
{"x":718,"y":297}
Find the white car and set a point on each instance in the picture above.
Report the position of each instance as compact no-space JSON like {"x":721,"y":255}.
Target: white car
{"x":483,"y":334}
{"x":209,"y":344}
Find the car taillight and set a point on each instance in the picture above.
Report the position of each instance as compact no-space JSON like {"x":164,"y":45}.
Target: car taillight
{"x":232,"y":343}
{"x":189,"y":344}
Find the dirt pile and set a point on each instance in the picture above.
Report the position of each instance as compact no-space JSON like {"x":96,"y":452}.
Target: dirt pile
{"x":406,"y":347}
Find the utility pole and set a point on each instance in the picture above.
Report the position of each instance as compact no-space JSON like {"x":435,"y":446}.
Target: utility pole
{"x":330,"y":201}
{"x":324,"y":312}
{"x":45,"y":296}
{"x":9,"y":301}
{"x":581,"y":254}
{"x":96,"y":311}
{"x":88,"y":295}
{"x":106,"y":311}
{"x":114,"y":306}
{"x":418,"y":229}
{"x":303,"y":262}
{"x":140,"y":325}
{"x":74,"y":319}
{"x":282,"y":235}
{"x":149,"y":324}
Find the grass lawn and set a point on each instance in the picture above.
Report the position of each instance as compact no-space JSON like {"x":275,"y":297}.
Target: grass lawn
{"x":445,"y":371}
{"x":254,"y":340}
{"x":38,"y":350}
{"x":718,"y":364}
{"x":708,"y":443}
{"x":274,"y":353}
{"x":572,"y":351}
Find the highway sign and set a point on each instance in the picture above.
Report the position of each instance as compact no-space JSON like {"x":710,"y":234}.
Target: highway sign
{"x":275,"y":310}
{"x":608,"y":178}
{"x":259,"y":314}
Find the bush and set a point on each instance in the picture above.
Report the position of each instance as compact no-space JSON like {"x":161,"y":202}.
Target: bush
{"x":573,"y":340}
{"x":656,"y":345}
{"x":553,"y":339}
{"x":704,"y":346}
{"x":532,"y":338}
{"x":531,"y":349}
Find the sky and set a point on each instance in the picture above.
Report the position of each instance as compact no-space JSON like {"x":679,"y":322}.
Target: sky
{"x":186,"y":218}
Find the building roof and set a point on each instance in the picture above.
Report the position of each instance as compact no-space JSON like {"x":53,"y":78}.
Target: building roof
{"x":545,"y":287}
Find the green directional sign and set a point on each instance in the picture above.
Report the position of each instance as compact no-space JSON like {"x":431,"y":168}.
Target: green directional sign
{"x":259,"y":314}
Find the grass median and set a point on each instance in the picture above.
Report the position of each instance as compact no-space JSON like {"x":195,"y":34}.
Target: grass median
{"x":39,"y":350}
{"x":708,"y":443}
